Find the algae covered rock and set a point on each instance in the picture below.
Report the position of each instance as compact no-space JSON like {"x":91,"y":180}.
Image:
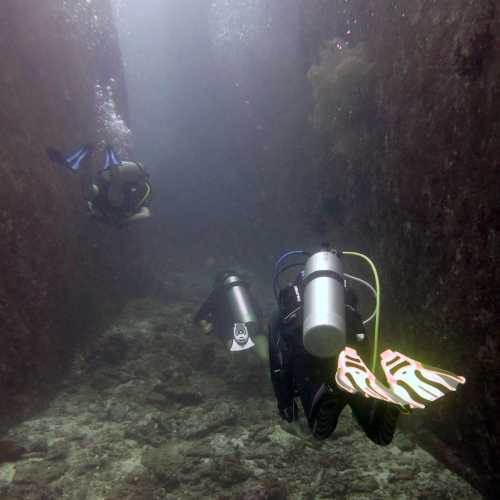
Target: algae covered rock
{"x":342,"y":83}
{"x":61,"y":275}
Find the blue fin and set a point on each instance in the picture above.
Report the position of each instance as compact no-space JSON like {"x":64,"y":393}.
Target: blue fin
{"x":111,"y":159}
{"x":71,"y":160}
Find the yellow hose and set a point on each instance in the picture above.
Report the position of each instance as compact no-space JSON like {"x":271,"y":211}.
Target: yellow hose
{"x":377,"y":307}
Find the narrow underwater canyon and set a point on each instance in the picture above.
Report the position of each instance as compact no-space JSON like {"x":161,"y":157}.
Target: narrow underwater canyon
{"x":371,"y":124}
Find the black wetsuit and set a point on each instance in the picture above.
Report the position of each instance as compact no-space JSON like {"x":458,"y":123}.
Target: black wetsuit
{"x":296,"y":373}
{"x":135,"y":196}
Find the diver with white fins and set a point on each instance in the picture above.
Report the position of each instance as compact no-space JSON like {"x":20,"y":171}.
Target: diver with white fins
{"x":317,"y":342}
{"x":231,"y":312}
{"x":119,"y":194}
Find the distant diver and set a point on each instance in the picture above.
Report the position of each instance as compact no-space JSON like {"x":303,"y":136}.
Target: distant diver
{"x":317,"y":342}
{"x":119,"y":194}
{"x":231,"y":312}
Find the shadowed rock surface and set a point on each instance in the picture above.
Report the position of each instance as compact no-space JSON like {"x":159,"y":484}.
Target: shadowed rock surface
{"x":406,"y":114}
{"x":59,"y":271}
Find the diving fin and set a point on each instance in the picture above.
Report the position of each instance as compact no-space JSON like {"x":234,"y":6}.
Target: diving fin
{"x":416,"y":383}
{"x":111,"y":159}
{"x":353,"y":376}
{"x":71,"y":160}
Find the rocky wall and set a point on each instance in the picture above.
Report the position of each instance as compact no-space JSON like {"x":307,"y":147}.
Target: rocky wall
{"x":406,"y":117}
{"x":61,"y":274}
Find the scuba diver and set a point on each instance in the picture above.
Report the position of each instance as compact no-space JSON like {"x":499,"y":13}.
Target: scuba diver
{"x":119,"y":194}
{"x":231,"y":312}
{"x":317,"y":342}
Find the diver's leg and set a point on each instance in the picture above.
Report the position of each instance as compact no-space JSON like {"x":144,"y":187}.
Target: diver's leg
{"x":377,"y":418}
{"x":323,"y":409}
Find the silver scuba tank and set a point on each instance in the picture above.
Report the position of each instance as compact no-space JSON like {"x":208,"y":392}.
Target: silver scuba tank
{"x":244,"y":317}
{"x":324,"y":329}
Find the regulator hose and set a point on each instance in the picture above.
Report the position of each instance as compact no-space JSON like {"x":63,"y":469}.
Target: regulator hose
{"x":370,"y":287}
{"x":377,"y":306}
{"x":278,"y":269}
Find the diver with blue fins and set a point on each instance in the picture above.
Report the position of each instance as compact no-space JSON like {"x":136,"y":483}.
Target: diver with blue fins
{"x":317,"y":342}
{"x":119,"y":194}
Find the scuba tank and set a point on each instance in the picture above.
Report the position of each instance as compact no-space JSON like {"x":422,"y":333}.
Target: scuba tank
{"x":324,"y":327}
{"x":243,"y":314}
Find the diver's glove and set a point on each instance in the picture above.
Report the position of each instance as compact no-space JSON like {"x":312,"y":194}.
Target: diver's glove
{"x":205,"y":326}
{"x":354,"y":377}
{"x":416,"y":383}
{"x":290,"y":413}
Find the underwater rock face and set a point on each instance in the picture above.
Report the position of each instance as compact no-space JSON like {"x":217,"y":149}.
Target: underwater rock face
{"x":59,"y":272}
{"x":413,"y":168}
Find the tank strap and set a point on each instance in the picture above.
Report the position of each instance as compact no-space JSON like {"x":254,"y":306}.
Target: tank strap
{"x":325,"y":273}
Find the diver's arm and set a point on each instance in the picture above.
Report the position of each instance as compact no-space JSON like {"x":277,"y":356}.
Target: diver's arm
{"x":206,"y":311}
